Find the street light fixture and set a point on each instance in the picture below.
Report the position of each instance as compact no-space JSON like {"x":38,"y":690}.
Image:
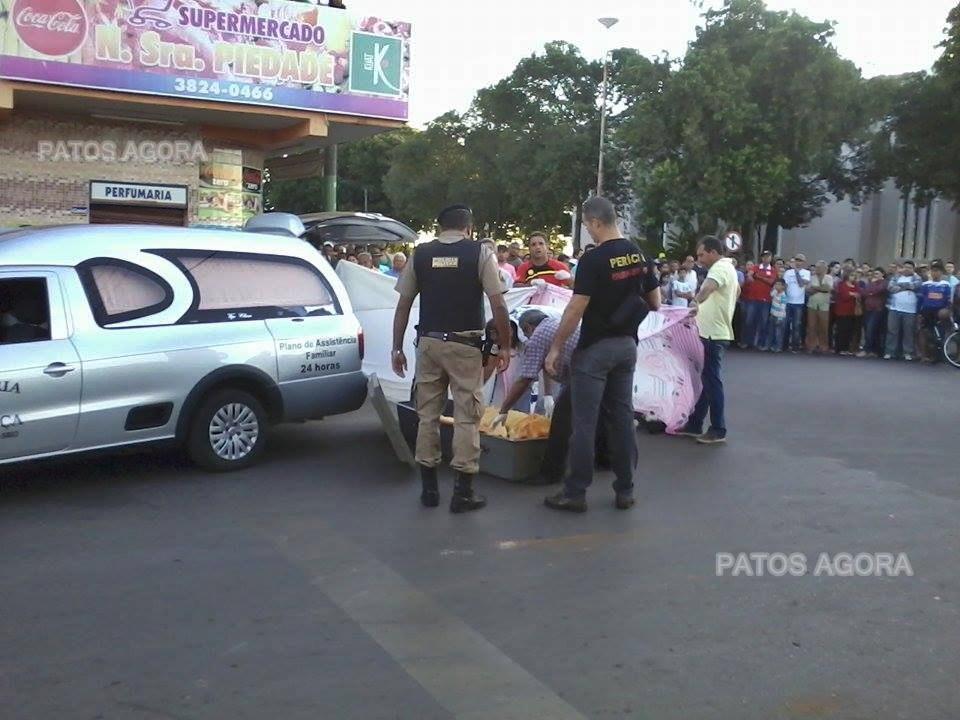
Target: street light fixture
{"x":607,"y":22}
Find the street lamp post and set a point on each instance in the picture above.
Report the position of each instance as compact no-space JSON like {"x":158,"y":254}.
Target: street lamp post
{"x":607,"y":22}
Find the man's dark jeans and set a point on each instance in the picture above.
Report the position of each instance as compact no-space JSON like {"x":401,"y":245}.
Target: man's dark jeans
{"x":602,"y":377}
{"x":756,"y":313}
{"x":558,"y":443}
{"x":554,"y":465}
{"x":872,"y":339}
{"x":794,"y":326}
{"x":775,"y":329}
{"x":711,"y":397}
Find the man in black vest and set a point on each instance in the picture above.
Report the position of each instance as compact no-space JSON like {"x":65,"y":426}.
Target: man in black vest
{"x":451,"y":276}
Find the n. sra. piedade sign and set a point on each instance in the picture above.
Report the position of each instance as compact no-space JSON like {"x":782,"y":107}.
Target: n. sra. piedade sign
{"x":280,"y":53}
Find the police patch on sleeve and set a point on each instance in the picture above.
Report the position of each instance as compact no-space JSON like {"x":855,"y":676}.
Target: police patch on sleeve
{"x":446,"y":262}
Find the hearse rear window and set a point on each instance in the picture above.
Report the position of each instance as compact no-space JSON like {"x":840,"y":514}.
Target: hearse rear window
{"x":119,"y":291}
{"x":247,"y":286}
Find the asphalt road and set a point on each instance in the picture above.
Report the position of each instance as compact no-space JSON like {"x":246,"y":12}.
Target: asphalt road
{"x":314,"y":586}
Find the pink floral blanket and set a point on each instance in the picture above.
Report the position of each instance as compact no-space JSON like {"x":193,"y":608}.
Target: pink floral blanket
{"x":666,"y":384}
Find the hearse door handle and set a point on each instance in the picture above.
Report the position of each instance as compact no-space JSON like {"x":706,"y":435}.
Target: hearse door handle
{"x":58,"y":369}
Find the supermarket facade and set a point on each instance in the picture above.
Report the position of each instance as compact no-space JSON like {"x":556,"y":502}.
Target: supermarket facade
{"x":172,"y":111}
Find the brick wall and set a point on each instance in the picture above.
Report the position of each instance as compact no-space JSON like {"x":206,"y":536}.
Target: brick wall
{"x":39,"y":191}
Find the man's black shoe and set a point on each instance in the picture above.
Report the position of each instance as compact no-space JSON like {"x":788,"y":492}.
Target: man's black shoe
{"x":430,"y":495}
{"x":624,"y":502}
{"x":464,"y":499}
{"x":561,"y":501}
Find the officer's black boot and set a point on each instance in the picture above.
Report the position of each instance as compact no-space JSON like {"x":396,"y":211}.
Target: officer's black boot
{"x":430,"y":497}
{"x":464,"y":499}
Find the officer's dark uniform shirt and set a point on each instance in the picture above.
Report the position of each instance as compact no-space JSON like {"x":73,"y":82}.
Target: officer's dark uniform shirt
{"x":609,"y":275}
{"x":484,"y":275}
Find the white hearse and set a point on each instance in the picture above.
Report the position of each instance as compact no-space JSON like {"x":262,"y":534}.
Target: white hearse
{"x":116,"y":335}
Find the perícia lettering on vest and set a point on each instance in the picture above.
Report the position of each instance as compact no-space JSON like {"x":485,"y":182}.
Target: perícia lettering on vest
{"x":624,"y":260}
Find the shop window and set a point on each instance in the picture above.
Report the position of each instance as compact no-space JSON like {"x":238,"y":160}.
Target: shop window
{"x":24,"y":311}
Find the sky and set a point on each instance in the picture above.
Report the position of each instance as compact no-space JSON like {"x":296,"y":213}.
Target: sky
{"x":460,"y":46}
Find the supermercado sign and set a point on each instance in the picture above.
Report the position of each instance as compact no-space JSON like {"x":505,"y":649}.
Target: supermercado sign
{"x":279,"y":53}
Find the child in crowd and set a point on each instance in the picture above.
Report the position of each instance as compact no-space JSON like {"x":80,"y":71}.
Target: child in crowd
{"x":681,"y":290}
{"x":666,"y":285}
{"x":777,"y":322}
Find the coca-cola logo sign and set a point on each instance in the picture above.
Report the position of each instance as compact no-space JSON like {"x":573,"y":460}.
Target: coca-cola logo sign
{"x":51,"y":27}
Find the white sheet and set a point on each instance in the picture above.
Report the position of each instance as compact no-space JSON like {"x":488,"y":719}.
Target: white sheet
{"x":669,"y":356}
{"x":374,"y":301}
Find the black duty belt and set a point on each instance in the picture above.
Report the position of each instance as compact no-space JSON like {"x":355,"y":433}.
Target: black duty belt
{"x":472,"y":341}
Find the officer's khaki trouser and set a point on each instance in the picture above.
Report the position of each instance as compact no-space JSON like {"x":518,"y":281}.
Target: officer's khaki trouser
{"x":439,"y":365}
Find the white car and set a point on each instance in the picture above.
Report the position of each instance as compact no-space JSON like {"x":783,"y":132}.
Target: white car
{"x":115,"y":335}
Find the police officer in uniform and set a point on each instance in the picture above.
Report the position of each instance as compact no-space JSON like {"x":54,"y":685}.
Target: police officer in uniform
{"x":451,"y":275}
{"x":615,"y":288}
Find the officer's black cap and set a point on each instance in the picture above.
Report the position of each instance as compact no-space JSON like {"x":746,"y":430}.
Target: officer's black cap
{"x":452,"y":208}
{"x":447,"y":215}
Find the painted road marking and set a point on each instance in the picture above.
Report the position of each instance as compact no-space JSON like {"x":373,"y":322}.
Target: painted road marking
{"x":461,"y":669}
{"x":582,"y":542}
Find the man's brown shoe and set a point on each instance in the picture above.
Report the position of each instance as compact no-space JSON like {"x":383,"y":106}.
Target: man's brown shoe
{"x":561,"y":501}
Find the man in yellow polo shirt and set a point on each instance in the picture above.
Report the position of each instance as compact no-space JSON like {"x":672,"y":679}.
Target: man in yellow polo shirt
{"x":714,"y":307}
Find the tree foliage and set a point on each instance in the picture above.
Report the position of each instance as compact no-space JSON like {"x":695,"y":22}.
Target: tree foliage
{"x":920,"y":143}
{"x":293,"y":196}
{"x":762,"y":122}
{"x":428,"y":171}
{"x":545,"y":117}
{"x":523,"y":155}
{"x":363,"y":165}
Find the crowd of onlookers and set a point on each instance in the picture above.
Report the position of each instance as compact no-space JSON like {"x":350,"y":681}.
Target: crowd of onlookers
{"x":372,"y":257}
{"x":538,"y":263}
{"x":847,"y":308}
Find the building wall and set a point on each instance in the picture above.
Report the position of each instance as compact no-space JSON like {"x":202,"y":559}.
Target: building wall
{"x":946,"y":232}
{"x":884,"y":229}
{"x":869,"y":223}
{"x":39,"y":191}
{"x":881,"y":242}
{"x":834,"y":236}
{"x":924,"y":233}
